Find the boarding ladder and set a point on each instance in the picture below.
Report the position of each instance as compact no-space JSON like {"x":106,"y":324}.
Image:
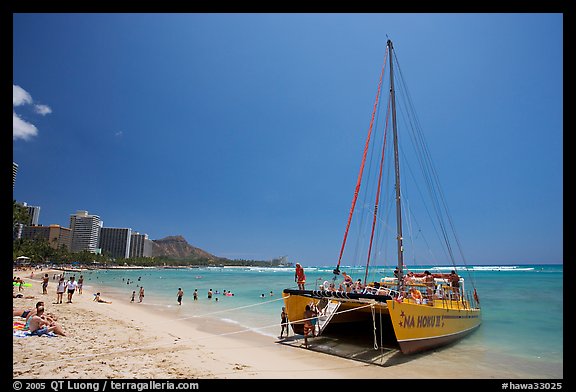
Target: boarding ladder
{"x":326,"y":310}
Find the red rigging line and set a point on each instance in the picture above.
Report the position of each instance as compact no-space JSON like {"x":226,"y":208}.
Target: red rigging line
{"x":359,"y":181}
{"x":378,"y":189}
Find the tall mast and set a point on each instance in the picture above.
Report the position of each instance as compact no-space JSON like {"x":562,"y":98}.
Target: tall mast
{"x":396,"y":169}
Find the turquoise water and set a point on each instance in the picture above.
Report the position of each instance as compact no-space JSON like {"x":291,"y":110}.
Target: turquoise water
{"x":522,"y":305}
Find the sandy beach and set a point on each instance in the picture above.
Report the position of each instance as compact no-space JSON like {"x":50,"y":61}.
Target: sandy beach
{"x":124,"y":340}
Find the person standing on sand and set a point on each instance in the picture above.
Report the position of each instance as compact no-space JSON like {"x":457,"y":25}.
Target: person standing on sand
{"x":60,"y":290}
{"x":308,"y":326}
{"x":80,"y":283}
{"x":71,"y":287}
{"x":133,"y":295}
{"x":141,"y":295}
{"x":284,"y":322}
{"x":180,"y":295}
{"x":45,"y":281}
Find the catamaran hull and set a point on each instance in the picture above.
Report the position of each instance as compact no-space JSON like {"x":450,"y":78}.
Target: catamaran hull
{"x":415,"y":327}
{"x":349,"y":312}
{"x":422,"y":327}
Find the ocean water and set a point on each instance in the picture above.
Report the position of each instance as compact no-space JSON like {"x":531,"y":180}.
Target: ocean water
{"x":522,"y":319}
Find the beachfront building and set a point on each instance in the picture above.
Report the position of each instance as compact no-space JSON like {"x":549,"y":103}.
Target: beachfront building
{"x":115,"y":242}
{"x":33,"y":213}
{"x":85,"y":232}
{"x":14,"y":172}
{"x":140,"y":245}
{"x":56,"y":235}
{"x":33,"y":218}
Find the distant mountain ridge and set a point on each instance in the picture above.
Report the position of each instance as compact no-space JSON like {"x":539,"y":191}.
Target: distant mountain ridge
{"x":176,"y":247}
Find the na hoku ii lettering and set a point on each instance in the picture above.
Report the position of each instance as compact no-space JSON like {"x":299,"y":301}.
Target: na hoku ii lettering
{"x":422,"y":321}
{"x":411,"y":321}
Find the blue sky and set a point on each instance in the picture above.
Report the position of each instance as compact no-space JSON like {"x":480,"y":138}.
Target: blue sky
{"x":244,"y":132}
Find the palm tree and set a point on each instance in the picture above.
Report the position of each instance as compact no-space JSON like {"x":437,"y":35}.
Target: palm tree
{"x":20,"y":216}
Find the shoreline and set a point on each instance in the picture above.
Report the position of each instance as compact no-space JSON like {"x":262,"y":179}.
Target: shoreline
{"x":124,"y":340}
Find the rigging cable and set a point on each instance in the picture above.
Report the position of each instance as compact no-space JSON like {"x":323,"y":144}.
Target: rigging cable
{"x":359,"y":181}
{"x":432,"y":178}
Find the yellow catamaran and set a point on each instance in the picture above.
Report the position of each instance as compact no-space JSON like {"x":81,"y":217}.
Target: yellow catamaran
{"x":421,"y":311}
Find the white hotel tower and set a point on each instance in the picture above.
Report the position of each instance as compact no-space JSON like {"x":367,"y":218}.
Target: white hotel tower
{"x":85,"y":232}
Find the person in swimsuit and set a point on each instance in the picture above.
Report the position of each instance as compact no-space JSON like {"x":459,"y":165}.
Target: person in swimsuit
{"x":308,"y":326}
{"x":454,"y":281}
{"x":28,"y":313}
{"x":20,"y":312}
{"x":180,"y":295}
{"x":40,"y":326}
{"x":300,"y":277}
{"x":80,"y":283}
{"x":45,"y":281}
{"x":60,"y":290}
{"x":348,"y":281}
{"x":429,"y":282}
{"x":284,"y":322}
{"x":98,"y":299}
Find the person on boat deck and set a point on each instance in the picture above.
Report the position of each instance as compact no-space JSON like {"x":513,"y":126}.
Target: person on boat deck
{"x":416,"y":295}
{"x":300,"y":277}
{"x":409,"y":278}
{"x":348,"y":282}
{"x":454,"y":281}
{"x":429,"y":282}
{"x":358,"y":286}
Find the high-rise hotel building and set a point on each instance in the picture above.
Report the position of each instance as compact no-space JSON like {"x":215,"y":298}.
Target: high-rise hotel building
{"x":33,"y":218}
{"x":115,"y":242}
{"x":14,"y":172}
{"x":55,"y":235}
{"x":33,"y":214}
{"x":140,"y":245}
{"x":85,"y":232}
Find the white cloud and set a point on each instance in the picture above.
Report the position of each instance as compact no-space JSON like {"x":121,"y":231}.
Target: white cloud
{"x":20,"y":96}
{"x":42,"y":109}
{"x":22,"y":129}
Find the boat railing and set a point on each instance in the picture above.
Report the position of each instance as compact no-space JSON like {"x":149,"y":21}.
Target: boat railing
{"x":440,"y":290}
{"x":382,"y":290}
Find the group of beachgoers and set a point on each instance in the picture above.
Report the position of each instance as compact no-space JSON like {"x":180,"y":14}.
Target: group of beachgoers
{"x":348,"y":285}
{"x":37,"y":321}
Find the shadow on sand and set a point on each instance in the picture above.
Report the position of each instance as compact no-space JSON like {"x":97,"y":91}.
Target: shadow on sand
{"x":363,"y":343}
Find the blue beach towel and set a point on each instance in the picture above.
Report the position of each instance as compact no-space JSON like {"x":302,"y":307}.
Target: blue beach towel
{"x":25,"y":333}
